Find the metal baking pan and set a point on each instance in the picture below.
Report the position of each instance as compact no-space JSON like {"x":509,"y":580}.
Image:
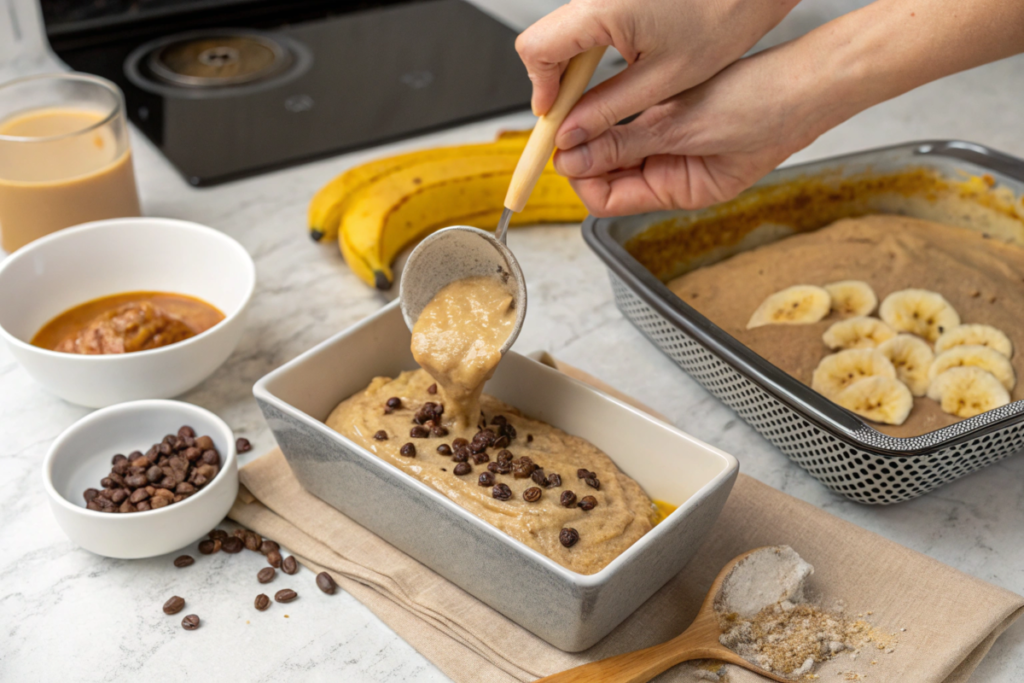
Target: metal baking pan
{"x":953,"y":182}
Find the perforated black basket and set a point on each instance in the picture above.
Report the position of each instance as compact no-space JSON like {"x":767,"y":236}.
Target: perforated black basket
{"x":838,"y":448}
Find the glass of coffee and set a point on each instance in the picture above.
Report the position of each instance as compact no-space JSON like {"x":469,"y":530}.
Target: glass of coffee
{"x":65,"y":158}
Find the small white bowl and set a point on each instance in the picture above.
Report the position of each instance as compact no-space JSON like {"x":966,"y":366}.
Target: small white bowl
{"x":81,"y":457}
{"x":70,"y":267}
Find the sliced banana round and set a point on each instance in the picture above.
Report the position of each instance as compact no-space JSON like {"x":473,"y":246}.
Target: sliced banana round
{"x":912,"y":358}
{"x":796,"y":305}
{"x":839,"y":370}
{"x":879,"y":399}
{"x":860,"y":332}
{"x":975,"y":335}
{"x":967,"y":391}
{"x":919,"y":311}
{"x":852,"y":297}
{"x":975,"y":356}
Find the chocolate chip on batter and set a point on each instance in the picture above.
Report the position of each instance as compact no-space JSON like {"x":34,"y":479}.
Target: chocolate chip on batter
{"x":462,"y":468}
{"x":532,"y":494}
{"x":529,"y":438}
{"x":461,"y":454}
{"x":593,"y":482}
{"x":394,"y":403}
{"x":582,"y":473}
{"x":444,"y":449}
{"x":554,"y":479}
{"x":568,"y":537}
{"x":494,"y":468}
{"x":408,"y":450}
{"x":381,"y":435}
{"x":538,"y":477}
{"x":419,"y":432}
{"x":501,"y":492}
{"x":587,"y":503}
{"x":501,"y":442}
{"x":504,"y":456}
{"x":480,"y":458}
{"x":486,"y":479}
{"x":438,"y":431}
{"x":568,"y":499}
{"x":432,"y":389}
{"x":459,"y":443}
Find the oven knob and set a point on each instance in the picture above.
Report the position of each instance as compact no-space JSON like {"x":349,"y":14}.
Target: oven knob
{"x":298,"y":103}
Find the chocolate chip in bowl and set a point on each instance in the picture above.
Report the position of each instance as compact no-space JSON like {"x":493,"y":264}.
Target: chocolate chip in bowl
{"x":162,"y":494}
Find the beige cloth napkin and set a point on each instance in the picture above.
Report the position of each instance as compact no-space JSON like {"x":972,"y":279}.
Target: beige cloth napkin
{"x":950,"y":619}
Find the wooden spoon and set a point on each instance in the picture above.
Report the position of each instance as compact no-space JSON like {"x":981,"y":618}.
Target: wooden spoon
{"x":700,"y":641}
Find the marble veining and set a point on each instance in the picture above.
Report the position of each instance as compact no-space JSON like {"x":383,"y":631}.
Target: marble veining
{"x":65,"y":613}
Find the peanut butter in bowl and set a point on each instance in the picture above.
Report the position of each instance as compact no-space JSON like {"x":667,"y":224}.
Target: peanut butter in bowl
{"x":553,"y":491}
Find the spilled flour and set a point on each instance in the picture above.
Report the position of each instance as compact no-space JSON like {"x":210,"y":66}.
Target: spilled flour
{"x":766,"y":619}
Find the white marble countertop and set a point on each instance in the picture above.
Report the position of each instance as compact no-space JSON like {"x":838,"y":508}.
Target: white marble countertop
{"x":61,"y":606}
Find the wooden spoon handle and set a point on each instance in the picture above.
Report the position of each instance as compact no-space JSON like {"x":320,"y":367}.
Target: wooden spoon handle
{"x":542,"y":140}
{"x":631,"y":667}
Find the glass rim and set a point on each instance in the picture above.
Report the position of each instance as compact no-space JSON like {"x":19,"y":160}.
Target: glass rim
{"x":109,"y":86}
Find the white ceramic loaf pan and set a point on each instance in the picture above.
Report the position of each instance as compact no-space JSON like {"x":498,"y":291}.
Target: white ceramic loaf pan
{"x":569,"y":610}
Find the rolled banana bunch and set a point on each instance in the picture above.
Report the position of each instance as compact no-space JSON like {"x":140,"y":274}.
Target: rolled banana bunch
{"x":881,"y":364}
{"x":377,"y":209}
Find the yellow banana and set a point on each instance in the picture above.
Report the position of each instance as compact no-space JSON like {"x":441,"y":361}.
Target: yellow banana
{"x":389,"y":215}
{"x":329,"y":203}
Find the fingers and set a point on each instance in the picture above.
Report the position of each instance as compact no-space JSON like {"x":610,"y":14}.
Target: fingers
{"x":622,"y":146}
{"x":663,"y":182}
{"x":548,"y":45}
{"x":642,"y":85}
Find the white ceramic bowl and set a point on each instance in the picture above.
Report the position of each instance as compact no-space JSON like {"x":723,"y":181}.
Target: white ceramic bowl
{"x":70,"y":267}
{"x":569,"y":610}
{"x":81,"y":457}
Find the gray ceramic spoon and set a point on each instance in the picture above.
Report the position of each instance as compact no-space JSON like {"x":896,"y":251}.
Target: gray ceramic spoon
{"x":461,"y":251}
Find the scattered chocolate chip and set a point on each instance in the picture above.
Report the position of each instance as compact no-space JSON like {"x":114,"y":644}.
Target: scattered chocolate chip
{"x":432,"y":389}
{"x":266,"y":575}
{"x":532,"y":494}
{"x":242,"y":445}
{"x":501,"y":442}
{"x":184,"y":561}
{"x":190,"y":623}
{"x":174,"y":605}
{"x":419,"y":432}
{"x":381,"y":435}
{"x":529,"y":438}
{"x":325,"y":582}
{"x":289,"y":565}
{"x":438,"y":431}
{"x":587,"y":503}
{"x":582,"y":473}
{"x":207,"y":547}
{"x":444,"y":449}
{"x":554,"y":479}
{"x":285,"y":595}
{"x":593,"y":482}
{"x":568,"y":499}
{"x":494,"y":468}
{"x":538,"y":477}
{"x":394,"y":403}
{"x":408,"y":450}
{"x":262,"y":602}
{"x":480,"y":458}
{"x":274,"y":558}
{"x":568,"y":537}
{"x":461,"y":454}
{"x":486,"y":479}
{"x":233,"y":545}
{"x":501,"y":492}
{"x":462,"y":468}
{"x":505,"y":456}
{"x":268,"y":546}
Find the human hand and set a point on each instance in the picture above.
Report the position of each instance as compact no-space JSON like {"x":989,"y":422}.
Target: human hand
{"x":671,"y":45}
{"x":707,"y":144}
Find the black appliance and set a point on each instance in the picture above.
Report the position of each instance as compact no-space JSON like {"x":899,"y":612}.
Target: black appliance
{"x":229,"y":88}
